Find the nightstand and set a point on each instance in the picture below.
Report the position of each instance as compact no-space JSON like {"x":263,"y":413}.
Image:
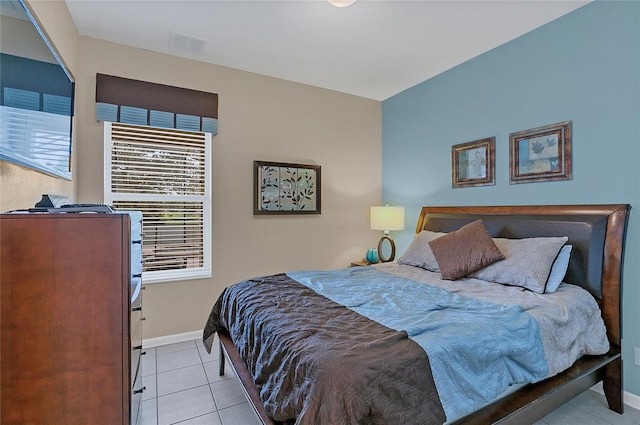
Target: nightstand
{"x":359,"y":263}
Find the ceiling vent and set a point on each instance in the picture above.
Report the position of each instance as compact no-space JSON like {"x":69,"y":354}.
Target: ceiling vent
{"x":187,"y":43}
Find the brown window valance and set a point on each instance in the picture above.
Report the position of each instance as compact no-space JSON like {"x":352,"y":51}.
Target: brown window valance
{"x":143,"y":103}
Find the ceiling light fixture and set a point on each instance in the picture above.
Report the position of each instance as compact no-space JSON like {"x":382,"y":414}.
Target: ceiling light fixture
{"x":341,"y":3}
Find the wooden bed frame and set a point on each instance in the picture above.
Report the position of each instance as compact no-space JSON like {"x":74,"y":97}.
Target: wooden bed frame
{"x":597,"y":233}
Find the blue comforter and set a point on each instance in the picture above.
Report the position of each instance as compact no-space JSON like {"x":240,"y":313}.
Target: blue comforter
{"x":476,"y":348}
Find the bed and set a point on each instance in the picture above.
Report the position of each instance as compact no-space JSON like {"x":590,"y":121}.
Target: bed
{"x":298,"y":340}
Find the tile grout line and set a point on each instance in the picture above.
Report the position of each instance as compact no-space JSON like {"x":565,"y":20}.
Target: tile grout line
{"x":215,"y":404}
{"x":156,"y":374}
{"x":156,"y":389}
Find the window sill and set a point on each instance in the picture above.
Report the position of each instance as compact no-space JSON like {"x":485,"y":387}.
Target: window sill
{"x":175,"y":275}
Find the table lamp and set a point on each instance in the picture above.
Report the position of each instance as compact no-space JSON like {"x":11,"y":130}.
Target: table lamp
{"x":386,"y":219}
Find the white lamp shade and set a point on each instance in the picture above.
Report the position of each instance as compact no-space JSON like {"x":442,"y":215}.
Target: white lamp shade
{"x":387,"y":218}
{"x":341,"y":3}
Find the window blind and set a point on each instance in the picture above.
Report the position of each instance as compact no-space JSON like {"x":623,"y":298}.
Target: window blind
{"x":163,"y":173}
{"x":36,"y":139}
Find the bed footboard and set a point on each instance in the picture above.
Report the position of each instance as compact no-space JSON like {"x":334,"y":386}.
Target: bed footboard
{"x":535,"y":401}
{"x":527,"y":405}
{"x":612,"y":385}
{"x":227,"y":348}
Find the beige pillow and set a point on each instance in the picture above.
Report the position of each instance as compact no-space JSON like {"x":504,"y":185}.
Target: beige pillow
{"x":527,"y":262}
{"x":464,"y":251}
{"x":419,"y":253}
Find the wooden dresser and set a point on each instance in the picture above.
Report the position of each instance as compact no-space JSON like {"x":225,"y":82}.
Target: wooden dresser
{"x":69,"y":309}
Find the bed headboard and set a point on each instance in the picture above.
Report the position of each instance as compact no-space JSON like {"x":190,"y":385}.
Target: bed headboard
{"x":597,"y":233}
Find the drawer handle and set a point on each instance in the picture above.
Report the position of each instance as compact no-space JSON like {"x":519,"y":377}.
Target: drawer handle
{"x":139,"y":308}
{"x":140,"y":390}
{"x":137,"y":347}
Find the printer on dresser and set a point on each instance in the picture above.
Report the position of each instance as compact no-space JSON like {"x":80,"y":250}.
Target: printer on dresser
{"x":70,"y":311}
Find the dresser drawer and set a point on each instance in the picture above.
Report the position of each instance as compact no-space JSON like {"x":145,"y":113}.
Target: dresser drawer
{"x":136,"y":399}
{"x":136,"y":341}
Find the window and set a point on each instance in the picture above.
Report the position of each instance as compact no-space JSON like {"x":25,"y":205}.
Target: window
{"x":164,"y":173}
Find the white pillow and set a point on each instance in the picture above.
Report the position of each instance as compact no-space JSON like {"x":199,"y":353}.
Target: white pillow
{"x":527,"y":262}
{"x":419,"y":253}
{"x":559,"y":269}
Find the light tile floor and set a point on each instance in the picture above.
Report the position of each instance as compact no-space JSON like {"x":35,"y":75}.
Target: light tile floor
{"x":183,"y":387}
{"x":590,"y":408}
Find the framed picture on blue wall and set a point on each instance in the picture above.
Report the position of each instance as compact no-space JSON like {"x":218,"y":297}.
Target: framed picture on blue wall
{"x":473,"y":163}
{"x":540,"y":154}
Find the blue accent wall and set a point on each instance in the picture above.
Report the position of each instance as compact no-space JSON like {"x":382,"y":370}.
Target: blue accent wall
{"x":583,"y":67}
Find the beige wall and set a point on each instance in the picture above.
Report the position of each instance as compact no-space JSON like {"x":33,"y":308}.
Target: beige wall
{"x":260,"y":118}
{"x":21,"y":187}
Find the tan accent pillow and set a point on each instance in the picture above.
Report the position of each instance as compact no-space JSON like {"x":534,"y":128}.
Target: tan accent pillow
{"x":464,"y":251}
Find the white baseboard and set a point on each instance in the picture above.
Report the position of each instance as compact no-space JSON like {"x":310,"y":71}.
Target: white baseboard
{"x":629,"y":399}
{"x":171,"y":339}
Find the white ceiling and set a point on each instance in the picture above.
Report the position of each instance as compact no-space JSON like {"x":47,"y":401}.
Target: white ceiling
{"x":374,"y":49}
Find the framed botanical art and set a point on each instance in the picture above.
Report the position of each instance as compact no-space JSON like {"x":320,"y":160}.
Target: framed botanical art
{"x":286,"y":188}
{"x":473,"y":163}
{"x":540,"y":154}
